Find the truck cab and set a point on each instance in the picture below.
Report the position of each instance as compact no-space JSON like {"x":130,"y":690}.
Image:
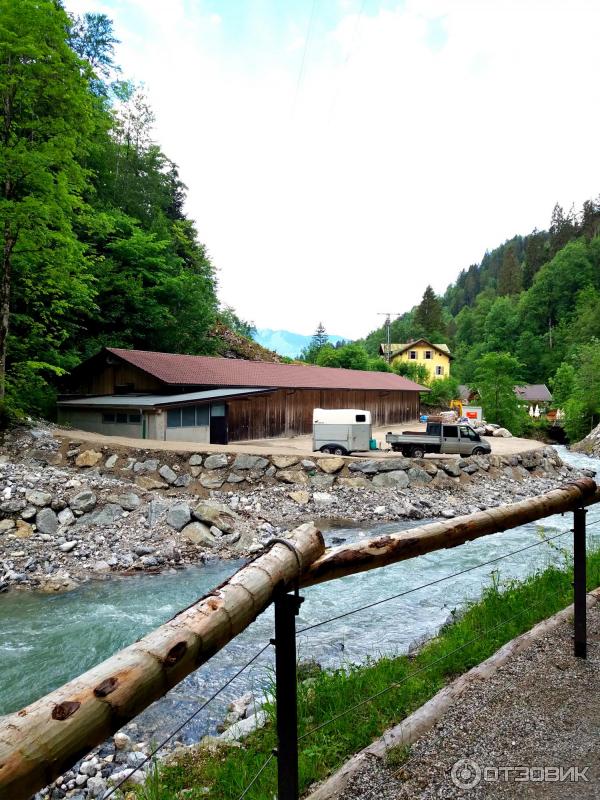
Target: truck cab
{"x":440,"y":437}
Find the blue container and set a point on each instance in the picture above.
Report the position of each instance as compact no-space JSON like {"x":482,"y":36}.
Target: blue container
{"x":372,"y":444}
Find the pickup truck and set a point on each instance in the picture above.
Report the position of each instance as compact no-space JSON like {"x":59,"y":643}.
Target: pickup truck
{"x":439,"y":438}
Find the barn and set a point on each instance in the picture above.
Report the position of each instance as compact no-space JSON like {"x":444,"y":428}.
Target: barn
{"x":173,"y":397}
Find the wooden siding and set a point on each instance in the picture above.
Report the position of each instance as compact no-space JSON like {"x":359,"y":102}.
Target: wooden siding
{"x":101,"y":379}
{"x":289,"y":412}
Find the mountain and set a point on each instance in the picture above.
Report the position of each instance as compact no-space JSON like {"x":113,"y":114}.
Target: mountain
{"x":287,"y":343}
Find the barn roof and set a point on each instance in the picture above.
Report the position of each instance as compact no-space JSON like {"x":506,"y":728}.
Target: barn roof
{"x":185,"y":370}
{"x":534,"y":393}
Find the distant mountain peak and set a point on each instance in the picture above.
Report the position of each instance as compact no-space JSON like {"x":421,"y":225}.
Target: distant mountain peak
{"x":287,"y":343}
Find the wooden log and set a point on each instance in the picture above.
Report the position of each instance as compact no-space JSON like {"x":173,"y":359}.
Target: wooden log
{"x":430,"y":713}
{"x":43,"y":739}
{"x":390,"y":548}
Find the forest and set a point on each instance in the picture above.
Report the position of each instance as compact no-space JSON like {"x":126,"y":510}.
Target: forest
{"x":96,"y":246}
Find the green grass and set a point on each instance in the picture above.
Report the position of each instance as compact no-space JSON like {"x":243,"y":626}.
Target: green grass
{"x":223,"y":773}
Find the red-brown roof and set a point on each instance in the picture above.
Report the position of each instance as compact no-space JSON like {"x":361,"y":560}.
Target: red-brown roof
{"x":184,"y":370}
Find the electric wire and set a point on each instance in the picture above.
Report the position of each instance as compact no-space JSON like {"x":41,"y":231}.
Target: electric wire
{"x":431,"y":583}
{"x":303,"y":62}
{"x":189,"y":719}
{"x":256,"y":777}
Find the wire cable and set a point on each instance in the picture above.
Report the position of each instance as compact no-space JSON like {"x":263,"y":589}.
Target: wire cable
{"x":397,"y":684}
{"x":188,"y":719}
{"x":431,"y":583}
{"x":256,"y":777}
{"x":302,"y":63}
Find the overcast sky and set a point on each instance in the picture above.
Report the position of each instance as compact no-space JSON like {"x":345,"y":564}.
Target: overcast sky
{"x":342,"y":154}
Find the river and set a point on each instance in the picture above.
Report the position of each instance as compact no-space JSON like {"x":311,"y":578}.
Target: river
{"x":46,"y":640}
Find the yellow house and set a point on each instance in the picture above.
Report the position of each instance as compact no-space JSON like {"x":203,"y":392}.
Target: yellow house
{"x":436,"y":357}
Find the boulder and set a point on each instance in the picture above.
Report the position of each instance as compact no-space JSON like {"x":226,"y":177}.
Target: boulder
{"x":233,"y":477}
{"x":418,"y":475}
{"x":215,"y":514}
{"x":301,"y":497}
{"x":393,"y":480}
{"x":122,"y":741}
{"x":285,"y":462}
{"x":46,"y":521}
{"x":147,"y":466}
{"x":83,"y":501}
{"x":195,"y":460}
{"x":37,"y":498}
{"x":179,"y":515}
{"x":129,"y":501}
{"x":211,"y":482}
{"x":368,"y":467}
{"x":14,"y":505}
{"x":6,"y":525}
{"x":89,"y":458}
{"x":307,"y":464}
{"x":101,"y":566}
{"x":103,"y":516}
{"x":195,"y":471}
{"x":24,"y":529}
{"x":451,"y":468}
{"x":393,"y":464}
{"x":357,"y":482}
{"x":29,"y":513}
{"x":323,"y":499}
{"x":66,"y":517}
{"x":198,"y":533}
{"x":66,"y":547}
{"x":111,"y":461}
{"x":216,"y":461}
{"x":183,"y":481}
{"x":470,"y":469}
{"x":502,"y":433}
{"x":322,"y":481}
{"x":148,"y":483}
{"x":244,"y":461}
{"x":154,"y":511}
{"x":292,"y":476}
{"x":331,"y":465}
{"x":167,"y":474}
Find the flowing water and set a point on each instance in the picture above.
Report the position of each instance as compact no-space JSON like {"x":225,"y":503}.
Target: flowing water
{"x":47,"y":639}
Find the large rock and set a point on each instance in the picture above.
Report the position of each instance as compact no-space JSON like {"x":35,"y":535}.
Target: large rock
{"x":244,"y":461}
{"x":148,"y":483}
{"x":301,"y":497}
{"x":285,"y":462}
{"x":357,"y":482}
{"x":129,"y":501}
{"x":13,"y":505}
{"x":393,"y":480}
{"x":198,"y":533}
{"x":83,"y":501}
{"x":103,"y":516}
{"x":147,"y":466}
{"x":216,"y":461}
{"x":368,"y":467}
{"x":154,"y":511}
{"x":393,"y":464}
{"x":167,"y":474}
{"x":183,"y":480}
{"x":209,"y":482}
{"x":89,"y":458}
{"x":502,"y":433}
{"x":46,"y":521}
{"x":111,"y":461}
{"x":215,"y":514}
{"x":66,"y":517}
{"x":6,"y":525}
{"x":24,"y":529}
{"x":418,"y":475}
{"x":37,"y":498}
{"x":451,"y":468}
{"x":179,"y":515}
{"x":195,"y":460}
{"x":322,"y":499}
{"x":322,"y":481}
{"x":331,"y":465}
{"x":292,"y":476}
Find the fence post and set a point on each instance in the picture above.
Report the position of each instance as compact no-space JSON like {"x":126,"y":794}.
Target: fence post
{"x":579,"y":583}
{"x":286,"y":610}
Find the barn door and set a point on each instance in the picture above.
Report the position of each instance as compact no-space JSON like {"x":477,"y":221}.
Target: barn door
{"x":218,"y":424}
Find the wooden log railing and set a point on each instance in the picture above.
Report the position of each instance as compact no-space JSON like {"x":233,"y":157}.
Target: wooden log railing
{"x":46,"y":737}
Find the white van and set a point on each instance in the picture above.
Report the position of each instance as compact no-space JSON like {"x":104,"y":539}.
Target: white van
{"x":341,"y":430}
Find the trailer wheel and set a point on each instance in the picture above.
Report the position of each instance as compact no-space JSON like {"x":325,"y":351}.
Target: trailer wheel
{"x":340,"y":451}
{"x":417,"y":452}
{"x":334,"y":449}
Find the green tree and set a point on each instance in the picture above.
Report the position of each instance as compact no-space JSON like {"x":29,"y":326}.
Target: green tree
{"x":413,"y":371}
{"x":47,"y":117}
{"x":429,"y":316}
{"x":562,"y":384}
{"x":501,"y":325}
{"x":350,"y":356}
{"x":582,"y":409}
{"x":442,"y":392}
{"x":510,"y":277}
{"x":495,"y":379}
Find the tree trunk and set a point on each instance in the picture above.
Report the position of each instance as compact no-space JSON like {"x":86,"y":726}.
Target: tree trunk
{"x":42,"y":740}
{"x":390,"y":548}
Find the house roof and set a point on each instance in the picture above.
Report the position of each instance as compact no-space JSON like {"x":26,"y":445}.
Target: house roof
{"x":156,"y":400}
{"x":185,"y":370}
{"x":534,"y":393}
{"x":464,"y":393}
{"x":396,"y":349}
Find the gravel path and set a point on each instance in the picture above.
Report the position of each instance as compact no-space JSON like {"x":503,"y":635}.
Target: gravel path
{"x":541,"y":709}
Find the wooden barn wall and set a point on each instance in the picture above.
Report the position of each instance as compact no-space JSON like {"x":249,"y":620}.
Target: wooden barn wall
{"x":103,"y":379}
{"x":289,"y":412}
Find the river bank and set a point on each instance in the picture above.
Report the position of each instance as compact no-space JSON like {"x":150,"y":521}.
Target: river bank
{"x":70,"y":514}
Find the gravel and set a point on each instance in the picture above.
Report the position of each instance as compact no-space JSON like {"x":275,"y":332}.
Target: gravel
{"x":541,"y":709}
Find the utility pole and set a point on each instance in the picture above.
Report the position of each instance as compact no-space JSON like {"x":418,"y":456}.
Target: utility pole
{"x":388,"y":325}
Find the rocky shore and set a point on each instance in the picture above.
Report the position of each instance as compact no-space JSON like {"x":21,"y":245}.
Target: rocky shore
{"x":69,"y":514}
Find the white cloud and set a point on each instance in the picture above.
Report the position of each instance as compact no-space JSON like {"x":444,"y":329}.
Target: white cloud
{"x":402,"y":161}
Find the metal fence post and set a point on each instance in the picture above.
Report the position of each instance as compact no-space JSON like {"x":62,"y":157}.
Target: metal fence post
{"x":579,"y":583}
{"x":286,"y":610}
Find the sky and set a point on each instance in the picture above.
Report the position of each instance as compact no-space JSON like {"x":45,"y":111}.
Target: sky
{"x":340,"y":155}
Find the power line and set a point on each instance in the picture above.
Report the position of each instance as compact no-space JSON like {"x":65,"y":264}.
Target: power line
{"x":256,"y":777}
{"x":431,"y":583}
{"x":348,"y":54}
{"x":302,"y":63}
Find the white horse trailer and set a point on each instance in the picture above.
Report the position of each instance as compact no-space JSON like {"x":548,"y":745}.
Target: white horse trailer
{"x":341,"y":430}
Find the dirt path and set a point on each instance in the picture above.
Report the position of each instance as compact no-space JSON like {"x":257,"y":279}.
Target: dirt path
{"x":297,"y":445}
{"x":541,"y":709}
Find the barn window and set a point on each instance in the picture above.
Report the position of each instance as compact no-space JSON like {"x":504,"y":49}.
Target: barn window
{"x":412,"y":354}
{"x":135,"y":418}
{"x":217,"y":410}
{"x":122,"y":418}
{"x":361,"y":417}
{"x":201,"y":415}
{"x":188,"y":416}
{"x":108,"y":417}
{"x":174,"y":418}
